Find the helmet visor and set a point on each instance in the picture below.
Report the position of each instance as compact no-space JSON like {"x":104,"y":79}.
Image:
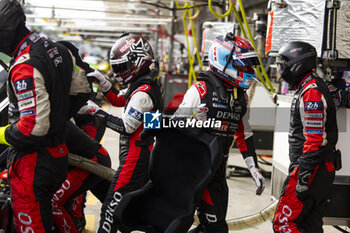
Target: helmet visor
{"x":119,"y":66}
{"x":245,"y":69}
{"x":280,"y":64}
{"x":246,"y":59}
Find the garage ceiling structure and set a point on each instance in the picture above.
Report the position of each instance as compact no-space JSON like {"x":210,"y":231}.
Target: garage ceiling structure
{"x":100,"y":21}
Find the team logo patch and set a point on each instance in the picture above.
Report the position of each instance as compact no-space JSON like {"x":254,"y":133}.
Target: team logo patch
{"x":28,"y":103}
{"x":152,"y":120}
{"x":316,"y":124}
{"x":216,"y":105}
{"x":314,"y":115}
{"x":24,"y":84}
{"x":27,"y":113}
{"x":314,"y":131}
{"x":135,"y":114}
{"x":25,"y":95}
{"x":313,"y":105}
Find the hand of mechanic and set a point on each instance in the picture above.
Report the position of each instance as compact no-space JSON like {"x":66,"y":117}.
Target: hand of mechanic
{"x":200,"y":113}
{"x":104,"y":84}
{"x":89,"y":108}
{"x":302,"y":188}
{"x":256,"y":174}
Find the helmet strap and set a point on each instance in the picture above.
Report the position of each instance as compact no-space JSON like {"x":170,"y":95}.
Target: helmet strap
{"x":229,"y":59}
{"x":229,"y":36}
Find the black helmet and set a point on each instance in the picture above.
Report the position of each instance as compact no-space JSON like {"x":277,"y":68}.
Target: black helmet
{"x":11,"y":15}
{"x":130,"y":56}
{"x":295,"y":60}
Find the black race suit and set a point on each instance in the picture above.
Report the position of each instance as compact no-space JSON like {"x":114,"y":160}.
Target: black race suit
{"x":44,"y":90}
{"x":232,"y":111}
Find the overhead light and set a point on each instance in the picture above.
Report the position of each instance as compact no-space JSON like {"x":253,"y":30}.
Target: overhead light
{"x":119,"y":10}
{"x":124,"y":20}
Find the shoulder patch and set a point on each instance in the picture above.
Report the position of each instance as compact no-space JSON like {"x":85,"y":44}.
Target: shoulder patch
{"x":135,"y":114}
{"x":24,"y":84}
{"x":202,"y":88}
{"x":313,"y":105}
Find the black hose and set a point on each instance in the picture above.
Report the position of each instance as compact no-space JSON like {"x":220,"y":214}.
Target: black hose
{"x":341,"y":229}
{"x":263,"y":161}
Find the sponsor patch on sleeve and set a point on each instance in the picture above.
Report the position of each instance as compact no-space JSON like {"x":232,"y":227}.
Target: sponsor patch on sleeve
{"x":25,"y":95}
{"x":135,"y":114}
{"x":216,"y":105}
{"x":314,"y":131}
{"x":313,"y":105}
{"x":28,"y":103}
{"x":24,"y":84}
{"x":314,"y":115}
{"x":27,"y":113}
{"x":315,"y":124}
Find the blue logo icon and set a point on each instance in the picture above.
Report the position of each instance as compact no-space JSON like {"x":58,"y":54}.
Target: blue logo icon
{"x":152,"y":120}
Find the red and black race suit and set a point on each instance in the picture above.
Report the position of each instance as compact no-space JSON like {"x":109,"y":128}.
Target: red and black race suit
{"x":232,"y":111}
{"x":134,"y":152}
{"x":78,"y":180}
{"x":312,"y":138}
{"x":39,"y":154}
{"x":43,"y":94}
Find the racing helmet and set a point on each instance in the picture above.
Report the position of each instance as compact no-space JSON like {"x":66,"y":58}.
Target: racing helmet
{"x":295,"y":60}
{"x":233,"y":59}
{"x":130,"y":56}
{"x":11,"y":15}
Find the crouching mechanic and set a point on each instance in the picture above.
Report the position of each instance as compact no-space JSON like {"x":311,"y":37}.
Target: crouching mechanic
{"x":78,"y":180}
{"x":44,"y":92}
{"x":313,"y":135}
{"x":222,"y":91}
{"x":131,"y":58}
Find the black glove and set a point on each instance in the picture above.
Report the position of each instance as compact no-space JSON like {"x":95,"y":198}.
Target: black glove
{"x":302,"y":189}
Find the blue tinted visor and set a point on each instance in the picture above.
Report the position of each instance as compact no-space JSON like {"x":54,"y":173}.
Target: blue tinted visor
{"x":246,"y":59}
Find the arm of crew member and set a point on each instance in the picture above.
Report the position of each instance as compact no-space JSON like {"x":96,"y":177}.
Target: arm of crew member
{"x":244,"y":137}
{"x":132,"y":118}
{"x":313,"y":112}
{"x":116,"y":97}
{"x":189,"y":104}
{"x":34,"y":107}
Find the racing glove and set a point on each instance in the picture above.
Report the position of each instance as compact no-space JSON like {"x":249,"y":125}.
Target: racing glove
{"x":89,"y":108}
{"x":2,"y":135}
{"x":256,"y":174}
{"x":104,"y":84}
{"x":302,"y":188}
{"x":200,"y":113}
